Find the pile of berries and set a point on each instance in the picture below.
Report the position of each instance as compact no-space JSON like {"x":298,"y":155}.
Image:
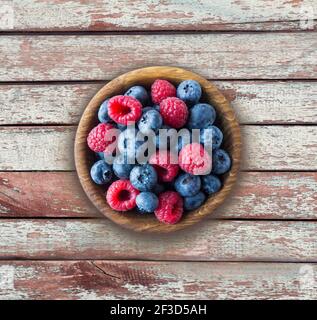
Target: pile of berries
{"x":167,"y":178}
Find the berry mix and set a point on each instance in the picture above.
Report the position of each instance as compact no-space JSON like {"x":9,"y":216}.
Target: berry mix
{"x":143,"y":160}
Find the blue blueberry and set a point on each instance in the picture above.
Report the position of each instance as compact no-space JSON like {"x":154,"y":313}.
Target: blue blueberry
{"x":107,"y":158}
{"x":100,"y":155}
{"x":201,"y":115}
{"x":121,"y":127}
{"x":150,"y":121}
{"x":189,"y":91}
{"x":183,"y":141}
{"x":126,"y":139}
{"x":146,"y":202}
{"x":139,"y":93}
{"x":194,"y":202}
{"x":122,"y":167}
{"x":210,"y":184}
{"x":103,"y":112}
{"x":221,"y":161}
{"x":146,"y":109}
{"x":156,"y":107}
{"x":162,"y":139}
{"x":158,"y":188}
{"x":101,"y":172}
{"x":130,"y":143}
{"x":187,"y":185}
{"x":211,"y":134}
{"x":144,"y":177}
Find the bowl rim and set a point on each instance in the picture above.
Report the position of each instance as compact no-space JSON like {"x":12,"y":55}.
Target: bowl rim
{"x":148,"y":223}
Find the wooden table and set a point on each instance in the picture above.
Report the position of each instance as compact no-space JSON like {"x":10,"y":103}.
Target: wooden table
{"x":262,"y":244}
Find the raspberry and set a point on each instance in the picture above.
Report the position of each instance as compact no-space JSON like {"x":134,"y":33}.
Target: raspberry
{"x":165,"y":164}
{"x":194,"y":159}
{"x":174,"y":112}
{"x":121,"y":195}
{"x":162,"y":89}
{"x":124,"y":109}
{"x":170,"y":207}
{"x":97,"y":140}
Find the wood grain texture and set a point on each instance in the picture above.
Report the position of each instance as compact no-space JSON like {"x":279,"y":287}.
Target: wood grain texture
{"x":99,"y":57}
{"x":255,"y":102}
{"x":67,"y":15}
{"x":257,"y":195}
{"x":216,"y":240}
{"x":265,"y":148}
{"x":104,"y":280}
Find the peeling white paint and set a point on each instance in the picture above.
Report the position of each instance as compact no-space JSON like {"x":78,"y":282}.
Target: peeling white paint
{"x":157,"y":15}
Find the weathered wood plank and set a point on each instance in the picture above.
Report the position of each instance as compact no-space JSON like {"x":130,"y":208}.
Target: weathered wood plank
{"x":44,"y":104}
{"x":67,"y":15}
{"x":215,"y":56}
{"x":156,"y":280}
{"x":259,"y":102}
{"x":37,"y":148}
{"x":255,"y":102}
{"x":257,"y":195}
{"x":265,"y":148}
{"x":279,"y":147}
{"x":216,"y":240}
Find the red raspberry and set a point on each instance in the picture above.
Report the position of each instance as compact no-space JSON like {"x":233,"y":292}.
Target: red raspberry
{"x":124,"y":109}
{"x":97,"y":138}
{"x":170,"y":207}
{"x":162,"y":89}
{"x":174,"y":112}
{"x":165,"y":164}
{"x":194,"y":159}
{"x":121,"y":195}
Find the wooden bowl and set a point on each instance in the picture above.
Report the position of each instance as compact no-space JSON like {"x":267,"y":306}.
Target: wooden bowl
{"x":84,"y":158}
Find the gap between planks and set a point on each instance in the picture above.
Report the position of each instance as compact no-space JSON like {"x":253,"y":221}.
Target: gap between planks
{"x":133,"y":32}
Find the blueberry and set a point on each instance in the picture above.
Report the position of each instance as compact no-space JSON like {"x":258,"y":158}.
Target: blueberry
{"x":158,"y":188}
{"x":144,"y":177}
{"x":187,"y":185}
{"x":100,"y":155}
{"x":221,"y":161}
{"x":130,"y":143}
{"x":122,"y":167}
{"x":183,"y":141}
{"x":139,"y":93}
{"x":107,"y":158}
{"x":126,"y":139}
{"x":121,"y":127}
{"x":211,"y":133}
{"x":101,"y":172}
{"x":194,"y":202}
{"x":210,"y":184}
{"x":150,"y":121}
{"x":189,"y":91}
{"x":201,"y":115}
{"x":162,"y":139}
{"x":146,"y":202}
{"x":156,"y":107}
{"x":146,"y":109}
{"x":103,"y":112}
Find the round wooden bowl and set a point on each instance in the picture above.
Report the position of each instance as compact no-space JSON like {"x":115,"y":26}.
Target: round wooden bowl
{"x":84,"y":158}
